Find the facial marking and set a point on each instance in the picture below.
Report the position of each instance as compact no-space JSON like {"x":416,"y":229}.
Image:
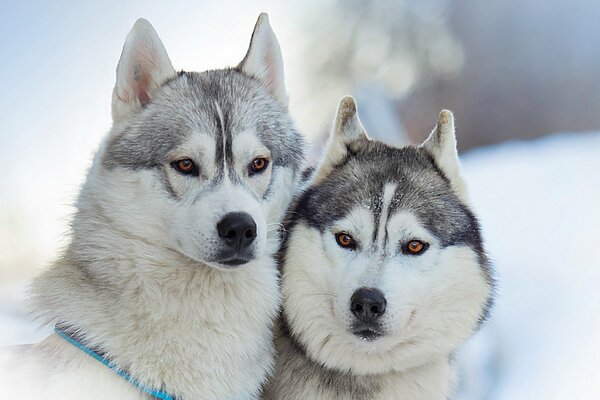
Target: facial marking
{"x":223,"y":135}
{"x":388,"y":193}
{"x":246,"y":147}
{"x":200,"y":148}
{"x":359,"y":223}
{"x":404,"y":226}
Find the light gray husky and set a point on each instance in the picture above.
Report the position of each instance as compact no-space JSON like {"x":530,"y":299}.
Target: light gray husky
{"x":383,"y":271}
{"x":169,"y":279}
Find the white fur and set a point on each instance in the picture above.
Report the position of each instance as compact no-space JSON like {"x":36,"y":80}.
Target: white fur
{"x":264,"y":60}
{"x":144,"y":65}
{"x":441,"y":143}
{"x":246,"y":148}
{"x":346,"y":129}
{"x":201,"y":148}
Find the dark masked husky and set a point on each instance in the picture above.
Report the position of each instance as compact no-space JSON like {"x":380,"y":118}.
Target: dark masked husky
{"x":383,"y":271}
{"x":169,"y":277}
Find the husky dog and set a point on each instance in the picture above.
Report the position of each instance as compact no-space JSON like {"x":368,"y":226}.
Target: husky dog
{"x":169,"y":278}
{"x":383,"y":271}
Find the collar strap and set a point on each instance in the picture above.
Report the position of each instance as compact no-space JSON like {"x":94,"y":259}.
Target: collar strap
{"x":71,"y":336}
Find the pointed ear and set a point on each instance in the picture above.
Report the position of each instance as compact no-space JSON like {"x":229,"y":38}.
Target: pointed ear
{"x":441,"y":144}
{"x":143,"y":67}
{"x":347,"y":130}
{"x":264,"y":61}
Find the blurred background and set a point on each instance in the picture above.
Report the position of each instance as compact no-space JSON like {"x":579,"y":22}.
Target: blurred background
{"x":523,"y":78}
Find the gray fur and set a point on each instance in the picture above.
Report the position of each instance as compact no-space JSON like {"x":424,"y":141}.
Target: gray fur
{"x":298,"y":370}
{"x":186,"y":105}
{"x":422,"y":188}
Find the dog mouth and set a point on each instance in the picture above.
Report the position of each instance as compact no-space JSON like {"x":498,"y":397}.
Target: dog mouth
{"x":235,"y":261}
{"x":368,"y":335}
{"x":368,"y":332}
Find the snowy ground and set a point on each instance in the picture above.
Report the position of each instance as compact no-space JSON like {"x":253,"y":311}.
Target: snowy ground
{"x":539,"y":205}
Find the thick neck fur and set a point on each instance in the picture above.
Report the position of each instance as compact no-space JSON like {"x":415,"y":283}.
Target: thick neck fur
{"x":298,"y":377}
{"x":173,"y":323}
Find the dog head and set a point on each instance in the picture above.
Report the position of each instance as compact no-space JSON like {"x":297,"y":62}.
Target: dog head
{"x":383,"y":264}
{"x":201,"y":163}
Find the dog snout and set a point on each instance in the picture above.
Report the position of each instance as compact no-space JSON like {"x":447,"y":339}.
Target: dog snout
{"x":237,"y":230}
{"x":367,"y":304}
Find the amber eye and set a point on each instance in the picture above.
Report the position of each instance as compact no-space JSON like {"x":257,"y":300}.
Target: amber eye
{"x":415,"y":247}
{"x":259,"y":164}
{"x":345,"y":240}
{"x":185,"y":166}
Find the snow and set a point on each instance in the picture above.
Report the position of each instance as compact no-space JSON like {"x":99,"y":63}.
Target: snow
{"x":16,"y":326}
{"x":539,"y":206}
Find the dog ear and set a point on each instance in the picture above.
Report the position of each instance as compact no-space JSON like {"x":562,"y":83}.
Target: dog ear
{"x":143,"y":67}
{"x":441,"y":144}
{"x":264,"y":61}
{"x":347,"y":130}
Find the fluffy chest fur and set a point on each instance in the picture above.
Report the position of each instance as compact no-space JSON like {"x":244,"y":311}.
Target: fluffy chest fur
{"x":297,"y":377}
{"x":195,"y":332}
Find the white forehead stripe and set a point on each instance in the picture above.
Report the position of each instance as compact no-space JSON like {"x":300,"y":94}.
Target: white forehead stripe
{"x":222,"y":120}
{"x":388,"y":192}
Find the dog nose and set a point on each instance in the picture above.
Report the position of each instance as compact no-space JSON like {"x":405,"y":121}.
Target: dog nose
{"x":367,"y":304}
{"x":237,"y":229}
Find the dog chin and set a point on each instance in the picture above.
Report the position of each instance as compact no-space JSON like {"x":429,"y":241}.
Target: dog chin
{"x":228,"y":265}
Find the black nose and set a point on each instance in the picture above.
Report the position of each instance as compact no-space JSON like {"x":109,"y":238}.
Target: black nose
{"x":367,"y":304}
{"x":237,"y":229}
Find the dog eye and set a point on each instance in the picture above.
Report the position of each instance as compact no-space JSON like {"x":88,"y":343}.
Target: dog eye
{"x":258,"y":165}
{"x":415,"y":247}
{"x":185,"y":166}
{"x":345,"y":241}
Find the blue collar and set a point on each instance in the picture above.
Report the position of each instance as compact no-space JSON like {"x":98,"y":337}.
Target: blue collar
{"x":72,"y":337}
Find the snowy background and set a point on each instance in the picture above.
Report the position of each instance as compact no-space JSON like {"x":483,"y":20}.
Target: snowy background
{"x":514,"y":80}
{"x":539,"y":206}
